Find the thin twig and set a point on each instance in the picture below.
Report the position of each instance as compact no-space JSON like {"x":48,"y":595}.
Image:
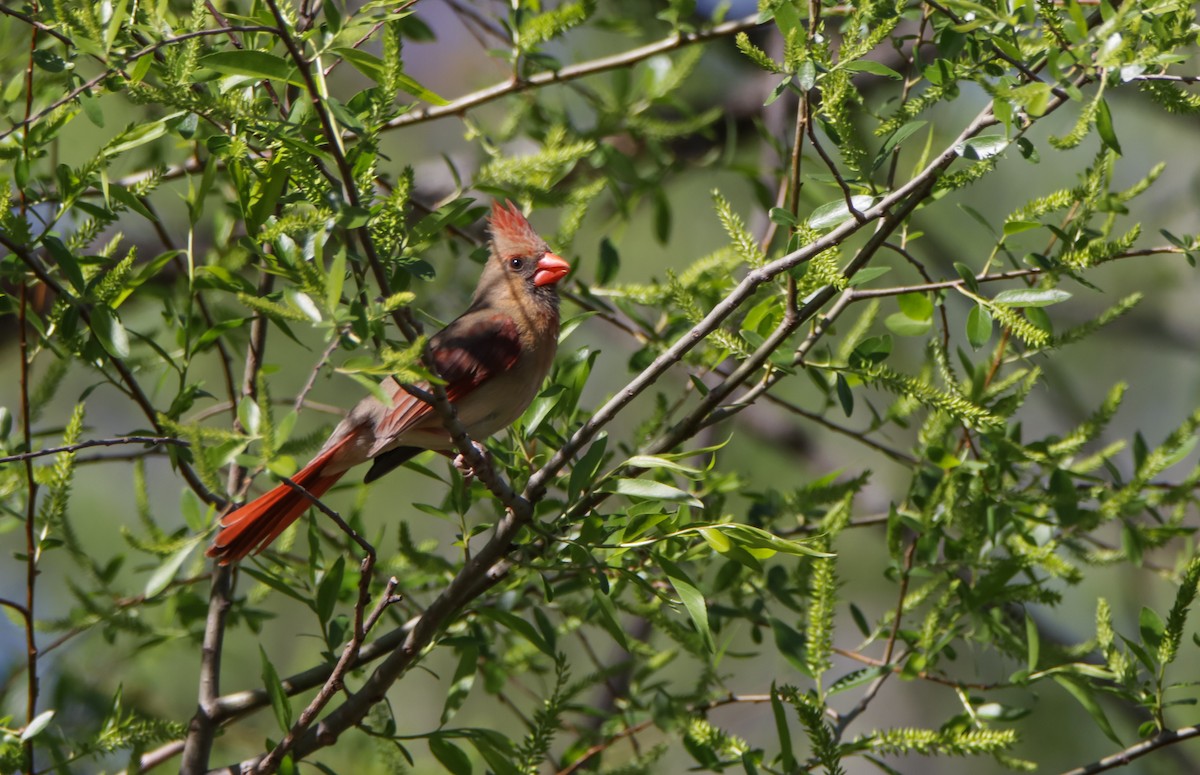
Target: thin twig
{"x":31,"y":543}
{"x":873,"y":689}
{"x":571,"y":72}
{"x":598,"y":748}
{"x":37,"y":25}
{"x":150,"y":440}
{"x":316,"y":369}
{"x":337,"y":518}
{"x":337,"y":676}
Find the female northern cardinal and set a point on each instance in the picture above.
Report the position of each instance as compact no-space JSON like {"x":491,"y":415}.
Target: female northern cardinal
{"x":493,"y":359}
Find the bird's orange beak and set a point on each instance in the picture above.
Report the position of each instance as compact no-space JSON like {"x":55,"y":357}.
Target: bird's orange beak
{"x":550,"y":269}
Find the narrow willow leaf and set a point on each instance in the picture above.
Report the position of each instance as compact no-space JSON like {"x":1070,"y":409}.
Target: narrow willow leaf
{"x":279,"y":699}
{"x":647,"y":489}
{"x":34,"y":728}
{"x":165,"y":573}
{"x":692,"y":598}
{"x":453,"y":758}
{"x":872,"y":67}
{"x":982,"y":147}
{"x":1104,"y":125}
{"x":835,"y":213}
{"x":257,"y":64}
{"x":1082,"y":692}
{"x":1031,"y":297}
{"x":111,"y":334}
{"x":902,"y":325}
{"x":845,"y":396}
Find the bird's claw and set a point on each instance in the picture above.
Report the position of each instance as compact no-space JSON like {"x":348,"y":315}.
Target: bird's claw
{"x":464,"y":466}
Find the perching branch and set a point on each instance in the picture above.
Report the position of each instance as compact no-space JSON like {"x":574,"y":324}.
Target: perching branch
{"x":1137,"y":750}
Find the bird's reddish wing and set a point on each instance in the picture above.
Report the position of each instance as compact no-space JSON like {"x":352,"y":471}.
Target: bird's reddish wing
{"x":467,"y":353}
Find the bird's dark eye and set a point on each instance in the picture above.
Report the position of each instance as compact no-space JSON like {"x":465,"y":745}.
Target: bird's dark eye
{"x":516,"y":263}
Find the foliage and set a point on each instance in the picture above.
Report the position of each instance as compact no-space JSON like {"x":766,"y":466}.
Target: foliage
{"x":197,"y":199}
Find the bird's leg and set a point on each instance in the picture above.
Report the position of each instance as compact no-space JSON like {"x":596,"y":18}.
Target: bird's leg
{"x":464,"y":467}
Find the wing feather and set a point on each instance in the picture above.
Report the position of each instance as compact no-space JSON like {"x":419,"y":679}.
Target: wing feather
{"x":467,"y":353}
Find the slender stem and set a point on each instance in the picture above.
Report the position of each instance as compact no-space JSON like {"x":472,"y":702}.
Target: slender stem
{"x":31,"y":543}
{"x":572,"y":72}
{"x":149,"y":440}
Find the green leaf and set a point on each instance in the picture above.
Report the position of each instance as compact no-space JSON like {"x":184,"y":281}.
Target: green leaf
{"x":872,"y":67}
{"x":915,"y":305}
{"x":967,"y":276}
{"x":67,"y":262}
{"x":864,"y":276}
{"x":979,"y":326}
{"x":1104,"y":125}
{"x":329,"y":589}
{"x":609,"y":264}
{"x":585,"y":470}
{"x":654,"y":461}
{"x":790,"y":644}
{"x":845,"y":397}
{"x":166,"y":571}
{"x":783,"y":217}
{"x":1082,"y":692}
{"x":1016,"y":227}
{"x":257,"y":64}
{"x":692,"y":598}
{"x":1151,"y":627}
{"x":135,"y":136}
{"x":519,"y":626}
{"x":453,"y":758}
{"x":1033,"y":643}
{"x":837,"y":212}
{"x":873,"y":349}
{"x":40,"y":722}
{"x":902,"y":325}
{"x":460,"y":685}
{"x":279,"y":698}
{"x":756,"y":538}
{"x":982,"y":147}
{"x":648,"y":489}
{"x":787,"y":759}
{"x":1031,"y":297}
{"x":108,"y":330}
{"x":249,"y":415}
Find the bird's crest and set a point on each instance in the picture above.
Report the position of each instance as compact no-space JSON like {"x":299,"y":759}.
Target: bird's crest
{"x":511,"y":233}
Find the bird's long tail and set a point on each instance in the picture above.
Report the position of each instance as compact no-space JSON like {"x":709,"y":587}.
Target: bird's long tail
{"x":254,"y":526}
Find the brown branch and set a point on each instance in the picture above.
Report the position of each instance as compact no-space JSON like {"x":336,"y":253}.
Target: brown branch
{"x":1137,"y":750}
{"x":641,"y":726}
{"x":203,"y":726}
{"x":572,"y":72}
{"x":149,"y":440}
{"x":31,"y":542}
{"x":337,"y":676}
{"x":1165,"y":77}
{"x":872,"y":690}
{"x":37,"y":25}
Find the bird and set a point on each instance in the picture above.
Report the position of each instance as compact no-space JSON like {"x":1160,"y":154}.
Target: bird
{"x":493,"y":359}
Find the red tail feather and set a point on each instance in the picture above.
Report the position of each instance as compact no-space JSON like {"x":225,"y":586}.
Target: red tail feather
{"x":255,"y":525}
